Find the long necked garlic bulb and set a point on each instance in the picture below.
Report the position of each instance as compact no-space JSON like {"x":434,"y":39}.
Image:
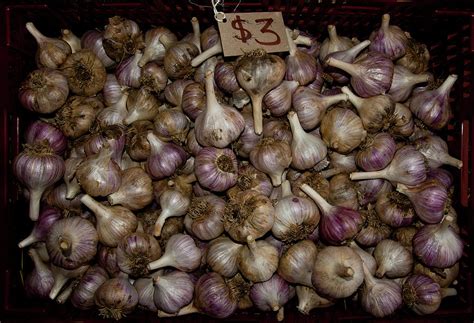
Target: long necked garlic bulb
{"x":258,"y":73}
{"x":375,"y":111}
{"x":180,"y":252}
{"x":113,"y":222}
{"x":407,"y":167}
{"x":272,"y":157}
{"x":306,"y":149}
{"x":380,"y":297}
{"x":295,"y":217}
{"x":333,"y":43}
{"x":258,"y":261}
{"x":389,"y":39}
{"x":338,"y":224}
{"x":52,"y":52}
{"x":219,"y":124}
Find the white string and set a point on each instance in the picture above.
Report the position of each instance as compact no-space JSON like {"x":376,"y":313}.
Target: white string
{"x":218,"y":15}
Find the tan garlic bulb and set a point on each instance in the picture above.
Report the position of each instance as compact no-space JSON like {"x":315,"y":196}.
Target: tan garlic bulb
{"x":342,"y":130}
{"x":135,"y":191}
{"x":296,"y":264}
{"x":249,"y":213}
{"x":258,"y":261}
{"x":272,"y":157}
{"x":337,"y":272}
{"x":85,"y":73}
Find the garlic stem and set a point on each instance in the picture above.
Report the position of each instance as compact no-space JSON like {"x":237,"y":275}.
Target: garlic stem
{"x":286,"y":189}
{"x":211,"y":100}
{"x":39,"y":37}
{"x":59,"y":281}
{"x":98,"y":209}
{"x":38,"y":263}
{"x":27,"y":241}
{"x":447,"y":159}
{"x":345,"y":272}
{"x":291,"y":42}
{"x":330,"y":172}
{"x":164,"y":261}
{"x":251,"y":244}
{"x":368,"y":175}
{"x":320,"y":201}
{"x":355,"y":100}
{"x":196,"y":33}
{"x":332,"y":33}
{"x":35,"y":200}
{"x":280,"y":314}
{"x":385,"y":22}
{"x":352,"y":69}
{"x":211,"y":51}
{"x":160,"y":222}
{"x":303,"y":40}
{"x":166,"y":41}
{"x":355,"y":50}
{"x":295,"y":125}
{"x":188,"y":309}
{"x":64,"y":296}
{"x":447,"y":84}
{"x":445,"y":292}
{"x":257,"y":112}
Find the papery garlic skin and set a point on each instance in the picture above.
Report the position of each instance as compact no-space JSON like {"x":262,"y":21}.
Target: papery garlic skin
{"x":296,"y":264}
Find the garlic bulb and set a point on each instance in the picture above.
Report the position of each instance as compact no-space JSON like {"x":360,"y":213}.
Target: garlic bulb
{"x":342,"y":130}
{"x":393,"y":259}
{"x":173,"y":202}
{"x":218,"y":125}
{"x":180,"y":252}
{"x":85,"y":73}
{"x":223,"y":255}
{"x":71,"y":242}
{"x":135,"y":191}
{"x":375,"y":111}
{"x":115,"y":298}
{"x":250,"y":213}
{"x":51,"y":52}
{"x":44,"y":91}
{"x":300,"y":66}
{"x":272,"y":157}
{"x":295,"y":217}
{"x":258,"y":261}
{"x":154,"y":48}
{"x":337,"y":272}
{"x":205,"y":217}
{"x":333,"y":43}
{"x":113,"y":222}
{"x":297,"y":263}
{"x":257,"y":73}
{"x":135,"y":251}
{"x":173,"y":291}
{"x":278,"y":100}
{"x":389,"y":39}
{"x":272,"y":295}
{"x":380,"y":297}
{"x":306,"y":149}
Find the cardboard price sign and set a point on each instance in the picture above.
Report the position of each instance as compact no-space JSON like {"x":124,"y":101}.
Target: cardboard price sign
{"x":243,"y":32}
